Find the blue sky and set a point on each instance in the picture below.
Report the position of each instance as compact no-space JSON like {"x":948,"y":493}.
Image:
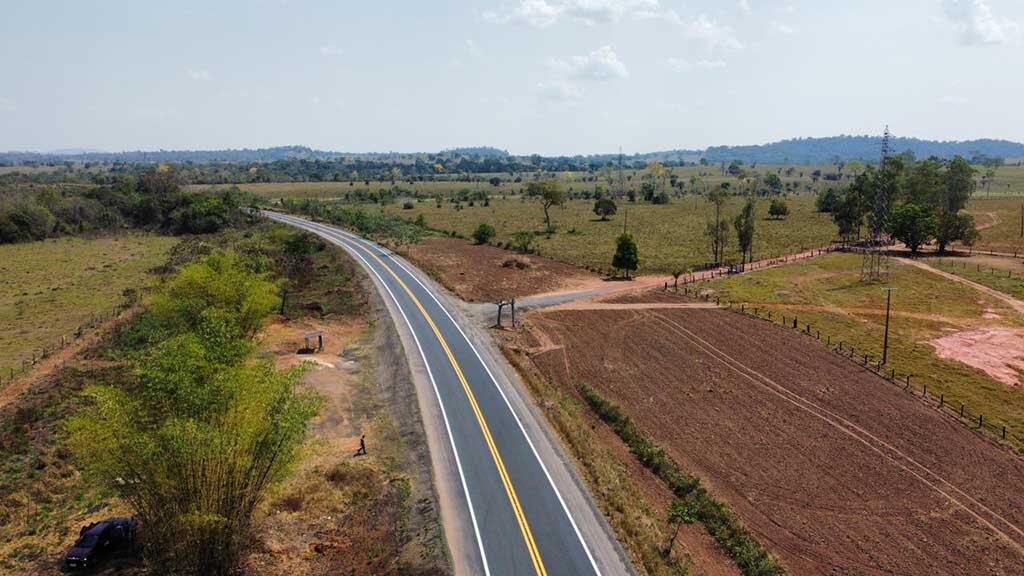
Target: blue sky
{"x":530,"y":76}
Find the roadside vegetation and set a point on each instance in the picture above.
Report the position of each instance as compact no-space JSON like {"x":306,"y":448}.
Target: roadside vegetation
{"x":182,"y":420}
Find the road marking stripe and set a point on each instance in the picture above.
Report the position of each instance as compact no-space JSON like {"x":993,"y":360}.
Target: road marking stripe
{"x":485,"y":429}
{"x":346,"y":243}
{"x":551,"y":482}
{"x":524,"y":525}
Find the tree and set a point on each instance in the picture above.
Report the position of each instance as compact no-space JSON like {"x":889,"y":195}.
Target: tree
{"x":848,"y":215}
{"x":827,"y":200}
{"x":778,"y":209}
{"x":913,"y":225}
{"x":744,"y":224}
{"x":774,"y":183}
{"x":959,"y":186}
{"x":484,"y":233}
{"x":679,"y":513}
{"x":717,"y":229}
{"x":605,"y":207}
{"x":627,"y":257}
{"x":551,"y":193}
{"x":196,"y":444}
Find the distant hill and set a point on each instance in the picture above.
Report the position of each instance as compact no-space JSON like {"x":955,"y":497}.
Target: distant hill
{"x":864,"y":148}
{"x":489,"y":159}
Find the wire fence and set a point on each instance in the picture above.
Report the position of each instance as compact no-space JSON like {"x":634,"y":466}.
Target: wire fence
{"x":958,"y":264}
{"x":25,"y":364}
{"x":887,"y":372}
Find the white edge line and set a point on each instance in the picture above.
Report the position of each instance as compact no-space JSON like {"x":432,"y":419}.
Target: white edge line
{"x":426,"y":364}
{"x":522,"y":429}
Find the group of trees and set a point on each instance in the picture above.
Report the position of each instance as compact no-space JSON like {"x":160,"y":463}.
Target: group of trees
{"x":153,"y":201}
{"x":196,"y":441}
{"x":915,"y":202}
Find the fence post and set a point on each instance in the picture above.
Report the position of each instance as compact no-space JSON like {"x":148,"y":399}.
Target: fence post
{"x":981,"y":420}
{"x":1004,"y":432}
{"x":942,"y":400}
{"x":961,"y":410}
{"x":925,"y":392}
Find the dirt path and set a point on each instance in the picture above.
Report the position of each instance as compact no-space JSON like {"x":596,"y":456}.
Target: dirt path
{"x":603,"y":288}
{"x":592,"y":305}
{"x":1014,"y":303}
{"x":994,"y":220}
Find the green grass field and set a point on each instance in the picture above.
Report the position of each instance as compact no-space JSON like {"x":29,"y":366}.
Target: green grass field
{"x":669,"y":236}
{"x":827,"y":293}
{"x":49,"y":288}
{"x":1005,"y":277}
{"x":1002,"y":215}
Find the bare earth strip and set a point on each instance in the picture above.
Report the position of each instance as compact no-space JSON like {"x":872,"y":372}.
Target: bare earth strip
{"x":835,"y":470}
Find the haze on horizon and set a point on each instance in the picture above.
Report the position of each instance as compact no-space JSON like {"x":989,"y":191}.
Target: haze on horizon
{"x":529,"y":76}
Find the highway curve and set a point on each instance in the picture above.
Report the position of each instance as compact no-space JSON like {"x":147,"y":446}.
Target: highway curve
{"x":519,"y":519}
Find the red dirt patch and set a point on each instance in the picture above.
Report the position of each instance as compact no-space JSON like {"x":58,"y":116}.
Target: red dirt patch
{"x":485,"y":273}
{"x":833,"y":469}
{"x":998,"y":352}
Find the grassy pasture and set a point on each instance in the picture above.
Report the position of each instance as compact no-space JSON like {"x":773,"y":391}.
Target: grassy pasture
{"x":669,"y":236}
{"x":827,"y":293}
{"x":1003,"y":217}
{"x":49,"y":288}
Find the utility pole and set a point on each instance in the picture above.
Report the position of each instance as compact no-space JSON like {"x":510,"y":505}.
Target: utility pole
{"x":885,"y":341}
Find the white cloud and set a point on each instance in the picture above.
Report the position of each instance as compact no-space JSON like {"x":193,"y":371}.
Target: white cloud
{"x":600,"y":65}
{"x":678,"y":64}
{"x":683,"y":65}
{"x":975,"y":23}
{"x":745,"y":6}
{"x":710,"y":64}
{"x":566,"y":77}
{"x":781,"y":28}
{"x":702,"y":28}
{"x":7,"y":105}
{"x":952,"y":100}
{"x":198,"y":75}
{"x":559,"y":92}
{"x":542,"y":13}
{"x":331,"y":50}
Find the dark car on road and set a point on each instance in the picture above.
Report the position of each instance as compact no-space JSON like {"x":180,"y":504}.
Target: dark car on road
{"x":99,"y":540}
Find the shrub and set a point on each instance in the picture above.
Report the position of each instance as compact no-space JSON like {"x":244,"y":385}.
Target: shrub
{"x":778,"y":209}
{"x":484,"y":233}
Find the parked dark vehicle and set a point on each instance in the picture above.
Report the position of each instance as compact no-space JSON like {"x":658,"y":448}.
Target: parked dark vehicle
{"x":99,"y":540}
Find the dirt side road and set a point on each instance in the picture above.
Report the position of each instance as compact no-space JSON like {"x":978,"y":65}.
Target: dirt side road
{"x":835,"y":470}
{"x":1016,"y":304}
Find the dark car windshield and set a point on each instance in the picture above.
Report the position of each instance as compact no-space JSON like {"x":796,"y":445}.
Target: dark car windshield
{"x":87,"y":541}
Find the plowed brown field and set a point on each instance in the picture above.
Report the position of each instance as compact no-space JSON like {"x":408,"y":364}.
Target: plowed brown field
{"x":834,"y":469}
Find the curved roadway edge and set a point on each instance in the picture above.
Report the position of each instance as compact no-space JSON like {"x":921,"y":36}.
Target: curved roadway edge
{"x":461,"y":533}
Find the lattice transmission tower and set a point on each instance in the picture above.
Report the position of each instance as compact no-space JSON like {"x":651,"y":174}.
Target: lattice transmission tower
{"x":875,"y":263}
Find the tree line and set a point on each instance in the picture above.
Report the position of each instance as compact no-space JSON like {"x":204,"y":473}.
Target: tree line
{"x":152,"y":201}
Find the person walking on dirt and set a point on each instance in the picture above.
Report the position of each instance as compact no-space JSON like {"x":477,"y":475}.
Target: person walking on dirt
{"x":362,"y":446}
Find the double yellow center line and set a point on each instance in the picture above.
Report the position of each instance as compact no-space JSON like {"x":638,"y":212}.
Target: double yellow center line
{"x":524,"y":526}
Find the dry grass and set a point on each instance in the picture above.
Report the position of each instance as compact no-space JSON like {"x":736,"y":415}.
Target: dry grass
{"x":49,"y":288}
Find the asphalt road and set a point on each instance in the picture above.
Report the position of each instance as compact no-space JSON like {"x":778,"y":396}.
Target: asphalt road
{"x":520,"y":521}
